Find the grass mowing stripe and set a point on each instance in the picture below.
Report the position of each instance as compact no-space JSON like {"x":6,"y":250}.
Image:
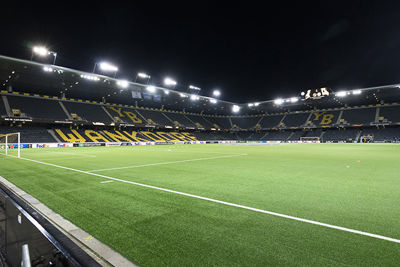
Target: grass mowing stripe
{"x":225,"y":203}
{"x":165,"y":163}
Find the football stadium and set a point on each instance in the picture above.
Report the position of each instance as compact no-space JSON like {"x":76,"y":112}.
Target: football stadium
{"x":206,"y":134}
{"x":163,"y":177}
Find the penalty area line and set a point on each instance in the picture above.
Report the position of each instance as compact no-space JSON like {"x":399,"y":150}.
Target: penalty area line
{"x":331,"y":226}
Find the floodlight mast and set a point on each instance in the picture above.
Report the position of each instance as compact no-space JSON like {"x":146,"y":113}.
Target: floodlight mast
{"x":143,"y":76}
{"x":43,"y":52}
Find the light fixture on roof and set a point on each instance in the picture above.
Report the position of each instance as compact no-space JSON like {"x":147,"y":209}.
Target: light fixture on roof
{"x":170,"y":82}
{"x":166,"y":92}
{"x":216,"y":93}
{"x":194,"y":97}
{"x":294,"y":99}
{"x":194,"y":87}
{"x":256,"y":104}
{"x":356,"y":92}
{"x":213,"y":101}
{"x":278,"y":101}
{"x":182,"y":95}
{"x":341,"y":93}
{"x":143,"y":76}
{"x":106,"y":67}
{"x":151,"y":89}
{"x":123,"y":83}
{"x":250,"y":104}
{"x":47,"y":69}
{"x":235,"y":108}
{"x":90,"y":77}
{"x":43,"y":52}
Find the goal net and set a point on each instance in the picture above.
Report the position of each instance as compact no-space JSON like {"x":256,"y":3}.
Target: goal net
{"x":310,"y":139}
{"x":10,"y":144}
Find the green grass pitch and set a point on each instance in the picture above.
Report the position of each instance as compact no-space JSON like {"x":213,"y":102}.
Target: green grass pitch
{"x":356,"y":186}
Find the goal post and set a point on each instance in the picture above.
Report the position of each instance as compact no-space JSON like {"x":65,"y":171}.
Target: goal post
{"x":310,"y":139}
{"x":10,"y":144}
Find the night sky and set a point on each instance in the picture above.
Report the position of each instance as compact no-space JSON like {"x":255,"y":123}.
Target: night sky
{"x":251,"y":52}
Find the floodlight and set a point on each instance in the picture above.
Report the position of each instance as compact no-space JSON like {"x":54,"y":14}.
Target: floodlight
{"x":48,"y":69}
{"x":256,"y":104}
{"x":294,"y":99}
{"x":356,"y":92}
{"x":151,"y":89}
{"x":213,"y":101}
{"x":166,"y":92}
{"x":235,"y":108}
{"x":40,"y":50}
{"x":303,"y":93}
{"x":250,"y":104}
{"x":341,"y":93}
{"x":123,"y":83}
{"x":143,"y":75}
{"x":278,"y":101}
{"x":194,"y":97}
{"x":216,"y":93}
{"x":182,"y":94}
{"x":168,"y":81}
{"x":194,"y":87}
{"x":90,"y":77}
{"x":105,"y":66}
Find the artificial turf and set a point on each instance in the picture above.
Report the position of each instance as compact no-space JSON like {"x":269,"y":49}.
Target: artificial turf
{"x":351,"y":185}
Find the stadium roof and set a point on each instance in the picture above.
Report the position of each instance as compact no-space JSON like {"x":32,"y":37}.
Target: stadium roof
{"x":33,"y":77}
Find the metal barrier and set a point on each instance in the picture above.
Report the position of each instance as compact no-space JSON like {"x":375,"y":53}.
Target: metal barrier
{"x":28,"y":239}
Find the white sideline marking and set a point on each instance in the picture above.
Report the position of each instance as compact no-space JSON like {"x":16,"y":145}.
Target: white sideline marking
{"x":106,"y":182}
{"x":165,"y":163}
{"x":226,"y":203}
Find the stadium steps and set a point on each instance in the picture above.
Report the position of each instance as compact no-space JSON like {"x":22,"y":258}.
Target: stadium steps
{"x":378,"y":110}
{"x":283,"y":118}
{"x":339,"y":117}
{"x":65,"y":110}
{"x":108,"y":113}
{"x":137,"y":111}
{"x":7,"y":105}
{"x":168,"y":118}
{"x":51,"y":132}
{"x":191,"y":120}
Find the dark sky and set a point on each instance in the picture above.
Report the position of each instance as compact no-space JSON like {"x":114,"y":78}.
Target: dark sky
{"x":252,"y":52}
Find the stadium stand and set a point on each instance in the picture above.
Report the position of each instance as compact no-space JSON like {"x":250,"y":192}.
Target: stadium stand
{"x":221,"y":122}
{"x":88,"y":112}
{"x":30,"y":134}
{"x":324,"y":118}
{"x":391,"y":114}
{"x":3,"y":111}
{"x":157,"y":117}
{"x":181,"y":119}
{"x":362,"y":116}
{"x":245,"y":122}
{"x":295,"y":136}
{"x":278,"y":135}
{"x":37,"y":108}
{"x":341,"y":135}
{"x":270,"y":121}
{"x":382,"y":134}
{"x":295,"y":119}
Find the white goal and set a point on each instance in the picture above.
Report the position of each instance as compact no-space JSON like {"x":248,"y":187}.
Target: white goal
{"x":10,"y":144}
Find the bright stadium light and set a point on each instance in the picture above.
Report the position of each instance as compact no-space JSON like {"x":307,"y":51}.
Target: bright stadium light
{"x":182,"y":95}
{"x":356,"y":92}
{"x":105,"y":66}
{"x":294,"y":99}
{"x":48,"y":69}
{"x":279,"y":101}
{"x":43,"y":52}
{"x":216,"y":93}
{"x":169,"y":82}
{"x":143,"y":75}
{"x":194,"y":87}
{"x":250,"y":104}
{"x":151,"y":89}
{"x":235,"y":108}
{"x":40,"y":50}
{"x":213,"y":101}
{"x":90,"y":77}
{"x":303,"y":93}
{"x":194,"y":97}
{"x":256,"y":104}
{"x":341,"y":94}
{"x":166,"y":92}
{"x":123,"y":83}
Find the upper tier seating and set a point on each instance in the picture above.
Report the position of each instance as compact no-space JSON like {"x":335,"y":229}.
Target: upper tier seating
{"x":38,"y":108}
{"x":223,"y":123}
{"x":199,"y":120}
{"x":89,"y":112}
{"x":245,"y":122}
{"x":156,"y":116}
{"x":295,"y":120}
{"x":392,"y":114}
{"x":3,"y":111}
{"x":270,"y":121}
{"x":179,"y":117}
{"x":359,"y":116}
